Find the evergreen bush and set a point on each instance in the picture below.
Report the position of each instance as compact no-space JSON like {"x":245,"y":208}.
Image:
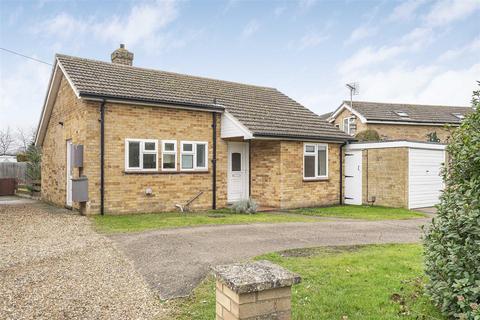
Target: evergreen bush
{"x":452,"y":242}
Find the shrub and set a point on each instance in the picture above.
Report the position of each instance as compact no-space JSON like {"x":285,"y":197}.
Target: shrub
{"x":34,"y":158}
{"x":245,"y":206}
{"x":368,"y":135}
{"x":452,"y":242}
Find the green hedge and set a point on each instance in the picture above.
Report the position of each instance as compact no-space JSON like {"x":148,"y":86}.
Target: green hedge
{"x":452,"y":243}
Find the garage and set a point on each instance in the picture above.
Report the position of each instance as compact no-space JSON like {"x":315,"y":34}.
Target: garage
{"x":393,"y":173}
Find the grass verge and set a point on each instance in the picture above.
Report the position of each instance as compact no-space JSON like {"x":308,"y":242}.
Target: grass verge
{"x":142,"y":222}
{"x":361,"y":212}
{"x":367,"y":282}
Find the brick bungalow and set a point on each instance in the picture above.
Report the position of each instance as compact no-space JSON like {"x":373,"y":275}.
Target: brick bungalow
{"x":153,"y":139}
{"x":394,"y":121}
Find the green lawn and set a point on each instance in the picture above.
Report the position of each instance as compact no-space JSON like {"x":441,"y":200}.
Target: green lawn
{"x":360,"y":212}
{"x":141,"y":222}
{"x":368,"y":282}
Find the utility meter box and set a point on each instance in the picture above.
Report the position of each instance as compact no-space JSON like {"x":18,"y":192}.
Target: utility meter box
{"x":80,"y":189}
{"x":77,"y":155}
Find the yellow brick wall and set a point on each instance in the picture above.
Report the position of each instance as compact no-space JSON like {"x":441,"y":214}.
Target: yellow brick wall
{"x":71,"y":111}
{"x":125,"y":192}
{"x":265,"y":172}
{"x":385,"y":176}
{"x":295,"y":192}
{"x":409,"y":132}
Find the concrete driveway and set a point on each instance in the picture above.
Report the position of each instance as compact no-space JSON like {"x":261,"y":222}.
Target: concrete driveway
{"x":174,"y":261}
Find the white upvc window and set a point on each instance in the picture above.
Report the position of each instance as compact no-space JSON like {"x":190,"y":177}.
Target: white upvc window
{"x":315,"y":161}
{"x":169,"y":155}
{"x":141,"y":155}
{"x":193,"y":155}
{"x":348,"y":125}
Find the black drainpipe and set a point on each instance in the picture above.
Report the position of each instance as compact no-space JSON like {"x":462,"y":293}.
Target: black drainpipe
{"x":214,"y":161}
{"x":341,"y":172}
{"x":102,"y":156}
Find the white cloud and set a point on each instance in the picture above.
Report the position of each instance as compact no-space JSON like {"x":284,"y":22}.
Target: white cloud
{"x":63,"y":25}
{"x":250,"y":28}
{"x":306,"y":4}
{"x":361,"y":33}
{"x":312,"y":39}
{"x":406,"y":10}
{"x":22,"y":91}
{"x":418,"y":38}
{"x":369,"y":56}
{"x":144,"y":25}
{"x":448,"y":11}
{"x":426,"y":84}
{"x":471,"y":49}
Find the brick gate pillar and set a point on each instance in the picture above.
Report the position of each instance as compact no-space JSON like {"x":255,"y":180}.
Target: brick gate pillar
{"x":253,"y":290}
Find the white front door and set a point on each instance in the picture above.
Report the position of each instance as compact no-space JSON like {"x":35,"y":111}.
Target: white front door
{"x":237,"y":183}
{"x":353,"y":177}
{"x":69,"y":169}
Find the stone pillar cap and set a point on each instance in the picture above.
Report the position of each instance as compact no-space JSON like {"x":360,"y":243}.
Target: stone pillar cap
{"x":255,"y":276}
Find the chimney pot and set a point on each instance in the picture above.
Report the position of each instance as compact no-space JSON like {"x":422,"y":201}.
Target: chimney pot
{"x":122,"y":56}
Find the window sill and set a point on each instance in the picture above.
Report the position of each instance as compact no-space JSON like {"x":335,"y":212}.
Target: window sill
{"x":165,"y":172}
{"x":315,"y":179}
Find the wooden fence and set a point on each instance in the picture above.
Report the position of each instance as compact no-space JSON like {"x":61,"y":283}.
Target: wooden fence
{"x":16,"y":170}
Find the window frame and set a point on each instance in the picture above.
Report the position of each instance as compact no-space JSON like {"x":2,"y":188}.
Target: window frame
{"x":142,"y":152}
{"x":315,"y":154}
{"x":169,"y":152}
{"x":194,"y":153}
{"x":350,"y":122}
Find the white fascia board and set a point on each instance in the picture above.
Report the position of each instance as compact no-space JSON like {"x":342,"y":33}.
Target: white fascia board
{"x":50,"y":98}
{"x":229,"y":120}
{"x":413,"y":123}
{"x":395,"y":144}
{"x":77,"y":94}
{"x":147,"y":104}
{"x":346,"y":106}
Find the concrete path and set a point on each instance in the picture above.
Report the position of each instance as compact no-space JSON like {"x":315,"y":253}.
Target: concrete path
{"x":174,"y":261}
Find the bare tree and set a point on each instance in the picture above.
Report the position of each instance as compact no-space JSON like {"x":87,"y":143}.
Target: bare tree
{"x":6,"y":141}
{"x":25,"y":138}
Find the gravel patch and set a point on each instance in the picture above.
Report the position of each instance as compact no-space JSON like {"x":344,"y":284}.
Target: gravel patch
{"x":54,"y":266}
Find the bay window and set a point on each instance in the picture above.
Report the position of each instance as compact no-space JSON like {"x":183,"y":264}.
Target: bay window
{"x":193,"y":155}
{"x":315,"y":161}
{"x":141,"y":155}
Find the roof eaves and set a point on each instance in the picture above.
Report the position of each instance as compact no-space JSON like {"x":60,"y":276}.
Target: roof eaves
{"x":411,"y":121}
{"x":302,"y":137}
{"x":93,"y":96}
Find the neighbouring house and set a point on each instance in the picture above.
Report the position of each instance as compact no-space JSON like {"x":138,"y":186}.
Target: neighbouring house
{"x":122,"y":139}
{"x":394,"y":121}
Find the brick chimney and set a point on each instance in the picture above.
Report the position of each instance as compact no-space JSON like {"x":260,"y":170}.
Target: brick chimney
{"x":122,"y":56}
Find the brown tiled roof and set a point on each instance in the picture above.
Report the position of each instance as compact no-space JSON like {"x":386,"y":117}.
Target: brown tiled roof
{"x":377,"y":111}
{"x":264,"y":111}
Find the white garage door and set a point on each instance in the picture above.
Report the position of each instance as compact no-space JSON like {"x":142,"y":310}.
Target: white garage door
{"x":425,"y":182}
